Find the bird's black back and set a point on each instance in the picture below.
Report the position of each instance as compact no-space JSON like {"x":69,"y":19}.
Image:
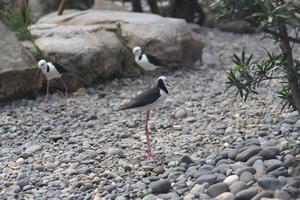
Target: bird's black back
{"x":143,"y":99}
{"x":59,"y":68}
{"x":154,"y":60}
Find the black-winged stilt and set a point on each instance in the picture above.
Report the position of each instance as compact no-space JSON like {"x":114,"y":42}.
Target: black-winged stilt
{"x":52,"y":71}
{"x":146,"y":61}
{"x":149,"y":100}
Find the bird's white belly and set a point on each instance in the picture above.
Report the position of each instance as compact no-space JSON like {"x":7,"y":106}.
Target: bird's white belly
{"x":53,"y":74}
{"x":143,"y":63}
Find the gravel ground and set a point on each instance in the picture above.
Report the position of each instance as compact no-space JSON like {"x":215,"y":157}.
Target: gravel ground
{"x":207,"y":146}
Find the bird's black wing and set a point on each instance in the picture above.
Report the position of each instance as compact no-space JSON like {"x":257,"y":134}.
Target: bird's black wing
{"x":143,"y":99}
{"x":59,"y":68}
{"x":154,"y":60}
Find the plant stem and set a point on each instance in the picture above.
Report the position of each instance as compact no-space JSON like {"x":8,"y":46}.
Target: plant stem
{"x":61,"y":7}
{"x":274,"y":33}
{"x":289,"y":65}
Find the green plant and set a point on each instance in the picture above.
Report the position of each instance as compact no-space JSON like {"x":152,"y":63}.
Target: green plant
{"x":14,"y":19}
{"x":119,"y":33}
{"x":16,"y":22}
{"x":279,"y":20}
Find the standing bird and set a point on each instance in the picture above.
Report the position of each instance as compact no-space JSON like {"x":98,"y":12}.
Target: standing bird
{"x":146,"y":61}
{"x":52,"y":71}
{"x":148,"y":100}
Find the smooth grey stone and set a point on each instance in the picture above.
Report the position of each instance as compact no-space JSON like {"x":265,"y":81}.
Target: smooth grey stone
{"x":220,"y":177}
{"x":84,"y":170}
{"x":237,"y":187}
{"x":288,"y":160}
{"x":269,"y":152}
{"x":16,"y":188}
{"x":246,"y":177}
{"x":266,"y":194}
{"x":221,"y":169}
{"x":272,"y":162}
{"x":204,"y":196}
{"x":28,"y":187}
{"x":216,"y":189}
{"x":197,"y":190}
{"x":140,"y":185}
{"x":226,"y":196}
{"x":186,"y":159}
{"x":247,"y":193}
{"x":282,"y":195}
{"x":243,"y":169}
{"x":273,"y":167}
{"x":248,"y":153}
{"x":232,"y":153}
{"x":259,"y":166}
{"x":294,"y":182}
{"x":224,"y":161}
{"x":270,"y":183}
{"x":150,"y":197}
{"x":23,"y":182}
{"x":278,"y":173}
{"x":189,"y":196}
{"x":252,"y":160}
{"x":209,"y":178}
{"x":181,"y":184}
{"x":169,"y":196}
{"x":161,"y":186}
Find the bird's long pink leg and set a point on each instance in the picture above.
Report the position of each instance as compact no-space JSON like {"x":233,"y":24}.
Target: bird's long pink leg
{"x":66,"y":93}
{"x":155,"y":120}
{"x":46,"y":97}
{"x":150,"y":155}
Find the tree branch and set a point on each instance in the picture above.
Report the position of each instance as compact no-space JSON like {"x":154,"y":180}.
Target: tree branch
{"x":296,"y":40}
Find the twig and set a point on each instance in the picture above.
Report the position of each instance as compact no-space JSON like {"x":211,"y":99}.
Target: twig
{"x":61,"y":7}
{"x":295,"y":40}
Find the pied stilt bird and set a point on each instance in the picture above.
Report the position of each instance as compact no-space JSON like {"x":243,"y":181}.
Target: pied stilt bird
{"x":149,"y":100}
{"x":52,"y":71}
{"x":146,"y":61}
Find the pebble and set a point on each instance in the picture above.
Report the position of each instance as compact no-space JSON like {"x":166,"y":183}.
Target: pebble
{"x":186,"y":159}
{"x":181,"y":113}
{"x":197,"y":190}
{"x":247,"y":193}
{"x":33,"y":148}
{"x":237,"y":187}
{"x":161,"y":186}
{"x":281,"y":194}
{"x":209,"y":178}
{"x":158,"y":170}
{"x":225,"y":196}
{"x":246,"y":177}
{"x":23,"y":182}
{"x":217,"y":189}
{"x":246,"y":154}
{"x":16,"y":188}
{"x":259,"y":166}
{"x":263,"y":194}
{"x":270,"y":183}
{"x":169,"y":196}
{"x":231,"y":179}
{"x":269,"y":152}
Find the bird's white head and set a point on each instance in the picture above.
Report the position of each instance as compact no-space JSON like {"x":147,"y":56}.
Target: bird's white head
{"x":163,"y":84}
{"x":137,"y":51}
{"x":43,"y":65}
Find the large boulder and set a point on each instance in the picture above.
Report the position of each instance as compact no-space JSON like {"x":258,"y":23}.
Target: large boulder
{"x":89,"y":44}
{"x":17,"y":68}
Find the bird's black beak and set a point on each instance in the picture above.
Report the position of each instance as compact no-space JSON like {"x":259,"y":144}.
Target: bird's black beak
{"x":169,"y":85}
